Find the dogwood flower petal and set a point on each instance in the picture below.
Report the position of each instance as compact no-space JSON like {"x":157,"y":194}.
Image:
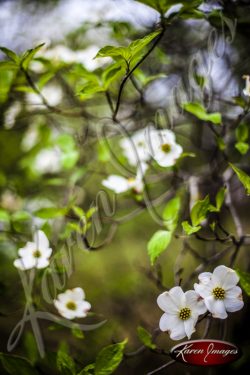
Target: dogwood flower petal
{"x":166,"y":303}
{"x":216,"y":307}
{"x":227,"y":277}
{"x":195,"y":302}
{"x":71,"y":304}
{"x":189,"y":326}
{"x":116,"y":183}
{"x":41,"y":240}
{"x":205,"y":277}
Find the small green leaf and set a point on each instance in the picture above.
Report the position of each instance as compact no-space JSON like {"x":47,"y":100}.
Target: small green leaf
{"x":10,"y":54}
{"x":145,"y":337}
{"x":65,"y":363}
{"x":21,"y":216}
{"x":189,"y":229}
{"x":50,"y":212}
{"x":220,"y":197}
{"x":111,"y":73}
{"x":242,"y":147}
{"x":242,"y":132}
{"x":16,"y":365}
{"x":28,"y":56}
{"x":171,"y":213}
{"x":31,"y":347}
{"x":158,"y":243}
{"x":243,"y":177}
{"x":199,"y":211}
{"x":69,"y":159}
{"x":88,"y":370}
{"x":244,"y":281}
{"x":4,"y":216}
{"x":77,"y":332}
{"x":103,"y":150}
{"x":65,"y":142}
{"x":220,"y":143}
{"x":78,"y":211}
{"x":109,"y":358}
{"x":200,"y":112}
{"x":8,"y":65}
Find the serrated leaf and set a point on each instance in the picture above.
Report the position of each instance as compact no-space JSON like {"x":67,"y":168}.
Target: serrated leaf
{"x":109,"y":358}
{"x":200,"y":112}
{"x":10,"y":54}
{"x":145,"y":337}
{"x":16,"y":365}
{"x":244,"y":281}
{"x":29,"y":54}
{"x":171,"y":213}
{"x":158,"y":243}
{"x":199,"y":211}
{"x":189,"y":229}
{"x":243,"y":177}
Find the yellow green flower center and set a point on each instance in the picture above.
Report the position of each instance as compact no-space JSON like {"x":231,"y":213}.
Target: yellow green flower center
{"x":37,"y":254}
{"x":166,"y":148}
{"x":185,"y":313}
{"x":71,"y":305}
{"x":219,"y":293}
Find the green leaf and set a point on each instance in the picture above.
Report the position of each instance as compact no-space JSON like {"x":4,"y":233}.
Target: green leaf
{"x":220,"y":197}
{"x":110,"y":74}
{"x":145,"y":337}
{"x":171,"y":213}
{"x":220,"y":143}
{"x":242,"y":133}
{"x":103,"y":150}
{"x":4,"y":216}
{"x":28,"y":56}
{"x":199,"y":211}
{"x":200,"y":112}
{"x":69,"y":159}
{"x":10,"y":54}
{"x":21,"y":216}
{"x":78,"y":211}
{"x":88,"y":370}
{"x":66,"y":142}
{"x":244,"y":281}
{"x":158,"y":243}
{"x":242,"y":147}
{"x":16,"y":365}
{"x":77,"y":332}
{"x":109,"y":358}
{"x":65,"y":363}
{"x":31,"y":347}
{"x":189,"y":229}
{"x":243,"y":177}
{"x":8,"y":65}
{"x":127,"y":53}
{"x":161,"y":6}
{"x":50,"y":212}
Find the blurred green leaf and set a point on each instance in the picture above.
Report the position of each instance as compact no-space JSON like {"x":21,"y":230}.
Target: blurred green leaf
{"x":104,"y":154}
{"x":189,"y":229}
{"x":77,"y":332}
{"x":4,"y":215}
{"x":8,"y":65}
{"x":242,"y":132}
{"x":242,"y":147}
{"x":65,"y":142}
{"x":158,"y":243}
{"x":220,"y":197}
{"x":200,"y":112}
{"x":243,"y":177}
{"x":16,"y":365}
{"x":199,"y":211}
{"x":69,"y":159}
{"x":171,"y":213}
{"x":244,"y":281}
{"x":88,"y":370}
{"x":31,"y":347}
{"x":145,"y":337}
{"x":109,"y":358}
{"x":21,"y":216}
{"x":65,"y":363}
{"x":10,"y":54}
{"x":28,"y":56}
{"x":50,"y":212}
{"x":111,"y":73}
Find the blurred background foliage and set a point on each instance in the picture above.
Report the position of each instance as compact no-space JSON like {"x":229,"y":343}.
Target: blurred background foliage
{"x":59,"y":138}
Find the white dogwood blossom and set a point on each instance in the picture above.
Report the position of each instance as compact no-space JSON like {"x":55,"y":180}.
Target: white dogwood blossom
{"x":246,"y":91}
{"x":163,"y":147}
{"x":219,"y":291}
{"x":34,"y":254}
{"x":71,"y":304}
{"x":151,"y":143}
{"x":181,"y":311}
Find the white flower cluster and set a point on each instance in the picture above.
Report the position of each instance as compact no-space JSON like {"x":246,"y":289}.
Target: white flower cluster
{"x":216,"y":293}
{"x":144,"y":145}
{"x":71,"y":304}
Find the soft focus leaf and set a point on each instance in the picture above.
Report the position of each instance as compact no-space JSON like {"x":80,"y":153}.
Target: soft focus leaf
{"x":109,"y":358}
{"x":189,"y":229}
{"x":158,"y":243}
{"x":242,"y":132}
{"x":4,"y":215}
{"x":50,"y":212}
{"x":243,"y":177}
{"x":145,"y":337}
{"x":242,"y":147}
{"x":29,"y":54}
{"x":244,"y":280}
{"x":200,"y":112}
{"x":88,"y":370}
{"x":16,"y":365}
{"x":65,"y":363}
{"x":220,"y":197}
{"x":171,"y":213}
{"x":10,"y":54}
{"x":199,"y":211}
